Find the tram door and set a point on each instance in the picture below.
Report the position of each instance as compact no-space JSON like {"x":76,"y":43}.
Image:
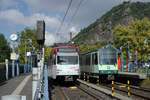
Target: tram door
{"x":94,"y":62}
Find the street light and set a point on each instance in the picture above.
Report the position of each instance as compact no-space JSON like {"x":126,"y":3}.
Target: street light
{"x":122,"y":56}
{"x":18,"y":56}
{"x":129,"y":55}
{"x":26,"y":67}
{"x":145,"y":41}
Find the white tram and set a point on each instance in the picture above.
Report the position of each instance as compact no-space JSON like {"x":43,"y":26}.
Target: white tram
{"x":63,"y":63}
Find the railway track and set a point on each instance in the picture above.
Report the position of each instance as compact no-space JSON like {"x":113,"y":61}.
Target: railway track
{"x":69,"y":92}
{"x":137,"y":93}
{"x":82,"y":90}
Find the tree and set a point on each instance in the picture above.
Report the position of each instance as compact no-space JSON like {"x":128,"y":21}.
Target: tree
{"x":134,"y":34}
{"x":27,"y":34}
{"x":4,"y":49}
{"x":47,"y":52}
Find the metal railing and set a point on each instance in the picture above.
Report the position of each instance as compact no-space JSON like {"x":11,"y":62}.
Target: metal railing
{"x":42,"y":84}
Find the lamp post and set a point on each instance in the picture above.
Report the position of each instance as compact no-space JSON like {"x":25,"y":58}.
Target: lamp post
{"x":26,"y":66}
{"x":122,"y":56}
{"x":145,"y":41}
{"x":30,"y":56}
{"x":18,"y":57}
{"x":129,"y":55}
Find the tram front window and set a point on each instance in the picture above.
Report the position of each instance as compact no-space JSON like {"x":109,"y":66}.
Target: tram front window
{"x":108,"y":59}
{"x":66,"y":60}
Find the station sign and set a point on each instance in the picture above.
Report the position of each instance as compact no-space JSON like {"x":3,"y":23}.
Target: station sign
{"x":13,"y":56}
{"x":28,"y":54}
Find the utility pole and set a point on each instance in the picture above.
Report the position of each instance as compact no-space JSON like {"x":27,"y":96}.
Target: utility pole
{"x":18,"y":56}
{"x":128,"y":56}
{"x":70,"y":36}
{"x":25,"y":66}
{"x":121,"y":58}
{"x":38,"y":70}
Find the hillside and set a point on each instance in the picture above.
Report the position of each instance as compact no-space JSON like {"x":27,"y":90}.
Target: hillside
{"x":101,"y":30}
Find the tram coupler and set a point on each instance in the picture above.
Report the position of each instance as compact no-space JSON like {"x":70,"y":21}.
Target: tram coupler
{"x":68,"y":78}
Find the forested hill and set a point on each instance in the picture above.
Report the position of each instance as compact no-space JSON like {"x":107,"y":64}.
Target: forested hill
{"x":101,"y":30}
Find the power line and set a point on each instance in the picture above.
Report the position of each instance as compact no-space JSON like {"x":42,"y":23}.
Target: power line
{"x":59,"y":28}
{"x":77,"y":8}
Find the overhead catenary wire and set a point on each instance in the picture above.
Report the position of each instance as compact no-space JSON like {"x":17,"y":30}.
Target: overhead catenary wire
{"x":61,"y":24}
{"x":75,"y":12}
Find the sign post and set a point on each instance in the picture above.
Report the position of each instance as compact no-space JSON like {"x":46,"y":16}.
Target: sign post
{"x":13,"y":38}
{"x":136,"y":59}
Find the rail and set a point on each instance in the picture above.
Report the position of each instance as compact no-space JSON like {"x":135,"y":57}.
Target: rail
{"x":135,"y":92}
{"x":99,"y":92}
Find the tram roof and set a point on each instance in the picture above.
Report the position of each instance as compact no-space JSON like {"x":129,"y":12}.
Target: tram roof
{"x":65,"y":47}
{"x":104,"y":47}
{"x":109,"y":46}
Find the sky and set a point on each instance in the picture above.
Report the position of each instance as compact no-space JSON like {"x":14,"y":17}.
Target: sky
{"x":16,"y":15}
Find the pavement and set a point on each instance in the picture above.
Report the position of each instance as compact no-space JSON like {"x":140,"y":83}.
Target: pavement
{"x":132,"y":75}
{"x":19,"y":85}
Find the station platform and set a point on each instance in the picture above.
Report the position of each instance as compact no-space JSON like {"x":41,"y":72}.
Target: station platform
{"x":132,"y":75}
{"x":19,"y":85}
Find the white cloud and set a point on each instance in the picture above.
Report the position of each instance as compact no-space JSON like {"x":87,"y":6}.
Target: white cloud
{"x":16,"y":17}
{"x":50,"y":5}
{"x":73,"y":29}
{"x":89,"y":11}
{"x":8,"y":3}
{"x":49,"y":38}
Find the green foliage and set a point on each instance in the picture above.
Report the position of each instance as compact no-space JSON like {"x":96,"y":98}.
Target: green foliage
{"x":134,"y":34}
{"x":84,"y":33}
{"x":140,"y":9}
{"x":27,"y":34}
{"x":146,"y":83}
{"x":84,"y":48}
{"x":47,"y":52}
{"x":4,"y":49}
{"x":122,"y":13}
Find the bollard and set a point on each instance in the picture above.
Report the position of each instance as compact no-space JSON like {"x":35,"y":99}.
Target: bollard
{"x":98,"y":80}
{"x":6,"y":62}
{"x":84,"y":76}
{"x":87,"y":78}
{"x":128,"y":88}
{"x":112,"y":88}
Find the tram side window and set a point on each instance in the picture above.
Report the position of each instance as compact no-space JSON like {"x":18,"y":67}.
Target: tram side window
{"x":94,"y":59}
{"x":81,"y":59}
